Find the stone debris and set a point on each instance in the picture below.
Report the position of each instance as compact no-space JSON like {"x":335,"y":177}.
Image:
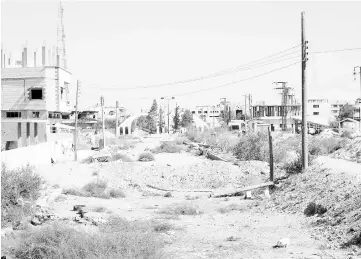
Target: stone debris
{"x":282,"y":243}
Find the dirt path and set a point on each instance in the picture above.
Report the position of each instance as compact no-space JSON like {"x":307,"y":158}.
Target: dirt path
{"x":341,"y":166}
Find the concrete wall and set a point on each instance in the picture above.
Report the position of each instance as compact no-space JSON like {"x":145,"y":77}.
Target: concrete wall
{"x":12,"y":94}
{"x":33,"y":155}
{"x":10,"y":132}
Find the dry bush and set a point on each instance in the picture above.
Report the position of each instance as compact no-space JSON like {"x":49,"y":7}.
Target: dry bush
{"x":231,"y":207}
{"x":168,"y":147}
{"x":162,"y":226}
{"x":180,"y":209}
{"x":145,"y":157}
{"x":124,"y":158}
{"x":190,"y":198}
{"x":98,"y":188}
{"x":19,"y":189}
{"x":116,"y":193}
{"x":226,"y":141}
{"x":99,"y":209}
{"x":346,"y":134}
{"x":116,"y":239}
{"x":252,"y":146}
{"x":181,"y":139}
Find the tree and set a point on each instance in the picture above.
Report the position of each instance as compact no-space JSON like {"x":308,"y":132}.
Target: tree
{"x":152,"y":118}
{"x":187,"y":118}
{"x":346,"y":112}
{"x":226,"y":115}
{"x":161,"y":120}
{"x":176,"y":119}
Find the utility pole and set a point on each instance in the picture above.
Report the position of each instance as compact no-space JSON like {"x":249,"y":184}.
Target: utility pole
{"x":245,"y":106}
{"x":103,"y":123}
{"x":285,"y":94}
{"x":168,"y":98}
{"x":250,"y":106}
{"x":354,"y":73}
{"x":116,"y":119}
{"x":76,"y":122}
{"x":304,"y":94}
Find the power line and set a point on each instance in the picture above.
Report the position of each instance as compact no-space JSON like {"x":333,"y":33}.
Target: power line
{"x":238,"y":81}
{"x":217,"y":73}
{"x":265,"y":63}
{"x":331,"y":51}
{"x":224,"y":85}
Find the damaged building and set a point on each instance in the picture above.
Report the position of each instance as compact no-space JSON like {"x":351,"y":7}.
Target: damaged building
{"x":35,"y":95}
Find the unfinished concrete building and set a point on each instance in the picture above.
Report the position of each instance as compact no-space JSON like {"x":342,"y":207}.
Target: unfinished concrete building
{"x":34,"y":96}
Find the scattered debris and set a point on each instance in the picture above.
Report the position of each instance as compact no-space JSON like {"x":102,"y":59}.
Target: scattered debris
{"x":313,"y":208}
{"x":282,"y":243}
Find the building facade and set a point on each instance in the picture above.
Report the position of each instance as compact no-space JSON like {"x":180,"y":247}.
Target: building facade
{"x":32,"y":98}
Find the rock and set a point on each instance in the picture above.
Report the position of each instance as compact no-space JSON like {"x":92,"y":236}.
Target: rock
{"x":78,"y":207}
{"x":35,"y":221}
{"x":284,"y":242}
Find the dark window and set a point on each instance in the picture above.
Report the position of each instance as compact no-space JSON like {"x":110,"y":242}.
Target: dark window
{"x":316,"y":113}
{"x":37,"y":94}
{"x":36,"y":114}
{"x":316,"y":106}
{"x":19,"y":130}
{"x":13,"y":115}
{"x":193,"y":112}
{"x":35,"y":129}
{"x":28,"y":129}
{"x":205,"y":112}
{"x":199,"y":111}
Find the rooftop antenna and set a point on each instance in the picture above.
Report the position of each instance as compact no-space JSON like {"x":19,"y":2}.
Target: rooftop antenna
{"x":61,"y":36}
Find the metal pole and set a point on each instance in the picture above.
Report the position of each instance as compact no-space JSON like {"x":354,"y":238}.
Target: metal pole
{"x":103,"y":126}
{"x":213,"y":115}
{"x":168,"y":115}
{"x":304,"y":96}
{"x":76,"y":122}
{"x":270,"y":154}
{"x":116,"y":119}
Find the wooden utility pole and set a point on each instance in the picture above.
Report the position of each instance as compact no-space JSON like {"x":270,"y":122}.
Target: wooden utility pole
{"x":304,"y":95}
{"x":116,"y":119}
{"x":103,"y":123}
{"x":76,"y":122}
{"x":270,"y":154}
{"x":354,"y":73}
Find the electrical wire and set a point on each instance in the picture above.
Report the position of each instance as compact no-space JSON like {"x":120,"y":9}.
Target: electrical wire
{"x":331,"y":51}
{"x":265,"y":63}
{"x":217,"y":73}
{"x":224,"y":85}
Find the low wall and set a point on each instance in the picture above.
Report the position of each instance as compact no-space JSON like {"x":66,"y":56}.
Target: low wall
{"x":35,"y":154}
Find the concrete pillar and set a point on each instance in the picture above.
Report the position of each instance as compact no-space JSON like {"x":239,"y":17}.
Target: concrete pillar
{"x":43,"y":56}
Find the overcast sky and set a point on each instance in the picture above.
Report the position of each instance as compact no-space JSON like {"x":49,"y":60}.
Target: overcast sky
{"x":116,"y":45}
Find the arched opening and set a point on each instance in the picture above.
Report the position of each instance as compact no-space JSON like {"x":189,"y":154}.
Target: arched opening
{"x":126,"y":131}
{"x":121,"y":131}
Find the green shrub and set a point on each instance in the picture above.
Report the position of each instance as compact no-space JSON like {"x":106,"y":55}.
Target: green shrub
{"x":19,"y":189}
{"x":116,"y":239}
{"x":146,"y":156}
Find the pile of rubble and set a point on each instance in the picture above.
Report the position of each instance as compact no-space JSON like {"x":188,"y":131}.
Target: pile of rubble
{"x":351,"y":152}
{"x":339,"y":195}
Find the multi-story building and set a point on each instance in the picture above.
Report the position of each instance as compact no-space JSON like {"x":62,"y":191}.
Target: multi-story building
{"x":32,"y":97}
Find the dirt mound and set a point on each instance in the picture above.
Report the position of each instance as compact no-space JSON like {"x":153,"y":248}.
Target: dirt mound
{"x":337,"y":191}
{"x":351,"y":152}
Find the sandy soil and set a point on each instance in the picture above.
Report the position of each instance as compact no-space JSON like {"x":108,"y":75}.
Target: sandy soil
{"x":249,"y":231}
